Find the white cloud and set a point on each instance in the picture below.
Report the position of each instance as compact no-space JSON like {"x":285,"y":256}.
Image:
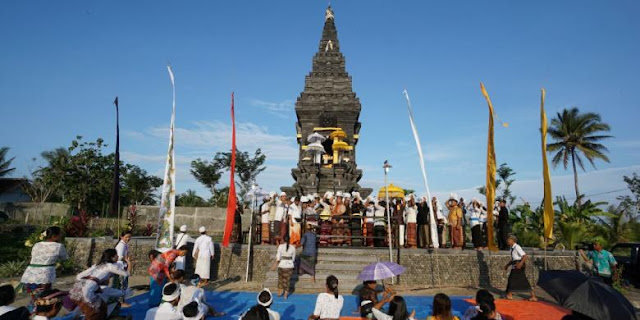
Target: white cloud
{"x":281,"y":109}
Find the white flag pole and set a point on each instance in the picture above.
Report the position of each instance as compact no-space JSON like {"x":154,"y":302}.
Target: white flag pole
{"x":432,"y":224}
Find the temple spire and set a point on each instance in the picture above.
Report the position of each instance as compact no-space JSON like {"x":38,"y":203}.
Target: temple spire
{"x":329,"y":40}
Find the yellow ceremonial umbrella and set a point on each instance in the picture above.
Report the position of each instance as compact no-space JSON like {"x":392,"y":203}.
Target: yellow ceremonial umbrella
{"x":340,"y":145}
{"x":394,"y":192}
{"x":338,"y":134}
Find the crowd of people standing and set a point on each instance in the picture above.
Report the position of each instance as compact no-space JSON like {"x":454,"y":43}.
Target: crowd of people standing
{"x":346,"y":219}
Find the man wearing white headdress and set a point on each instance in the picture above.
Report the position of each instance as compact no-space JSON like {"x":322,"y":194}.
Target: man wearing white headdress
{"x":203,"y":252}
{"x":182,"y":239}
{"x":411,"y":218}
{"x":455,"y":221}
{"x":281,"y":209}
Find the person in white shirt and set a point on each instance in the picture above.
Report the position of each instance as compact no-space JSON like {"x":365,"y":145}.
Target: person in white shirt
{"x":265,"y":299}
{"x":379,"y":224}
{"x":474,"y":211}
{"x":122,"y":249}
{"x":203,"y":253}
{"x":182,"y":238}
{"x":86,"y":291}
{"x":368,"y":221}
{"x":411,"y":218}
{"x":441,"y":221}
{"x":285,"y":256}
{"x":264,"y":221}
{"x":168,"y":308}
{"x":328,"y":304}
{"x":517,"y":278}
{"x":281,"y":208}
{"x":7,"y":311}
{"x":397,"y":308}
{"x":190,"y":293}
{"x":295,"y":217}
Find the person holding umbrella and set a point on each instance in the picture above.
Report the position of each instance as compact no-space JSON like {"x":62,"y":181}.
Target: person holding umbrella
{"x":604,"y":264}
{"x":517,"y":278}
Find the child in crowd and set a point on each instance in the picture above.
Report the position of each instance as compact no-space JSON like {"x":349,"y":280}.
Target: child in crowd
{"x":160,"y":271}
{"x":193,"y":311}
{"x":485,"y":307}
{"x":192,"y":293}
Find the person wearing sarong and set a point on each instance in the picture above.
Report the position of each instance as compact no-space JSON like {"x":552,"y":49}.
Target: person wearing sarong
{"x":474,"y":211}
{"x":203,"y":253}
{"x":397,"y":225}
{"x":455,"y":222}
{"x":87,"y":287}
{"x":367,"y":230}
{"x":41,"y":271}
{"x":273,"y":207}
{"x":281,"y":208}
{"x":160,"y":271}
{"x":517,"y":278}
{"x":338,"y":233}
{"x":411,"y":214}
{"x":380,"y":225}
{"x":236,"y":232}
{"x":182,"y":238}
{"x":285,"y":257}
{"x":325,"y":208}
{"x":441,"y":222}
{"x":423,"y":220}
{"x":309,"y":255}
{"x":295,"y":217}
{"x":122,"y":248}
{"x":264,"y":221}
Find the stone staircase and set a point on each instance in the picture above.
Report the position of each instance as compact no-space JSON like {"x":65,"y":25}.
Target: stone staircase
{"x":344,"y":263}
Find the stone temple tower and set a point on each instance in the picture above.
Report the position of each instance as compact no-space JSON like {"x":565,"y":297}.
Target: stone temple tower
{"x":327,"y":128}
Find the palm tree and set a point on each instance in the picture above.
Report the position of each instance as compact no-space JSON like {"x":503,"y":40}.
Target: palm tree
{"x":577,"y":134}
{"x":5,"y":164}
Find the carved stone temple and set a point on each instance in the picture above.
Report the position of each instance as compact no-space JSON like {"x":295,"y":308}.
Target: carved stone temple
{"x":327,"y":128}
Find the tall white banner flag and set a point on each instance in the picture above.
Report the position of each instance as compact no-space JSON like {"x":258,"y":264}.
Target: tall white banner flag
{"x":166,"y":216}
{"x":432,"y":224}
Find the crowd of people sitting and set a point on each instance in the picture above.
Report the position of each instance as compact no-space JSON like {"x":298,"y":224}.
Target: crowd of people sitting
{"x":346,"y":219}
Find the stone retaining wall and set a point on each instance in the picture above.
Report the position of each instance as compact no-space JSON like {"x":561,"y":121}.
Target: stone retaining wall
{"x":444,"y":268}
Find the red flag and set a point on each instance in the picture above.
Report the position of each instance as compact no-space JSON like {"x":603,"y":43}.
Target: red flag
{"x":231,"y":200}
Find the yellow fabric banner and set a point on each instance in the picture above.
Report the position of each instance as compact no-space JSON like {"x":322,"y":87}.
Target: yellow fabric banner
{"x":548,"y":215}
{"x":491,"y":173}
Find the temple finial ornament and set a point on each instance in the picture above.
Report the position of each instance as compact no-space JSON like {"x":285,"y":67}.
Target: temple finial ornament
{"x":328,"y":14}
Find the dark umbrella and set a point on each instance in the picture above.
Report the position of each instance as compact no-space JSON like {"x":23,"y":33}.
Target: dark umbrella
{"x":588,"y":296}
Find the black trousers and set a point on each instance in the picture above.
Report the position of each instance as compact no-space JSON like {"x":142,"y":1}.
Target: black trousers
{"x":503,"y":234}
{"x":379,"y":234}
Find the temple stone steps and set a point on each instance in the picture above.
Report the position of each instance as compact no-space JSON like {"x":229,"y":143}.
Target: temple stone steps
{"x":344,"y":263}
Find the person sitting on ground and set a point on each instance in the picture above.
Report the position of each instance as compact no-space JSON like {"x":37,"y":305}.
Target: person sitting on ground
{"x":329,"y":304}
{"x":441,"y":308}
{"x":192,"y":293}
{"x":193,"y":311}
{"x":160,"y":271}
{"x":265,"y":299}
{"x":482,"y":297}
{"x":397,"y":308}
{"x":48,"y":304}
{"x":168,"y":308}
{"x":7,"y":311}
{"x":256,"y":312}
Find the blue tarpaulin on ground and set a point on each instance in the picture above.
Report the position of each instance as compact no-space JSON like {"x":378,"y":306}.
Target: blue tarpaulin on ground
{"x":296,"y":307}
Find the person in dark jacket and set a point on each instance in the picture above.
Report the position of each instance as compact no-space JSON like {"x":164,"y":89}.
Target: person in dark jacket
{"x":503,"y":225}
{"x":424,"y":234}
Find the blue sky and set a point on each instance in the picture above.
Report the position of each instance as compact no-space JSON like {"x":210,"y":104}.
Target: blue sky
{"x":63,"y":62}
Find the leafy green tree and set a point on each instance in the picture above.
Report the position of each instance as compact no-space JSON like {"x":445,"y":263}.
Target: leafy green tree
{"x":631,"y":204}
{"x":138,"y":186}
{"x":5,"y":164}
{"x":247,"y":167}
{"x":575,"y":135}
{"x":189,"y":199}
{"x":219,"y":199}
{"x":504,"y":174}
{"x":207,"y":172}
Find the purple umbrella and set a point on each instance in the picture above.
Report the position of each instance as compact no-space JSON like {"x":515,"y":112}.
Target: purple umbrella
{"x":380,"y":270}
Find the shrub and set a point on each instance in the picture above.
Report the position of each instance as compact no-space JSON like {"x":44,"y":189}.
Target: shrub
{"x":78,"y":226}
{"x":12,"y":268}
